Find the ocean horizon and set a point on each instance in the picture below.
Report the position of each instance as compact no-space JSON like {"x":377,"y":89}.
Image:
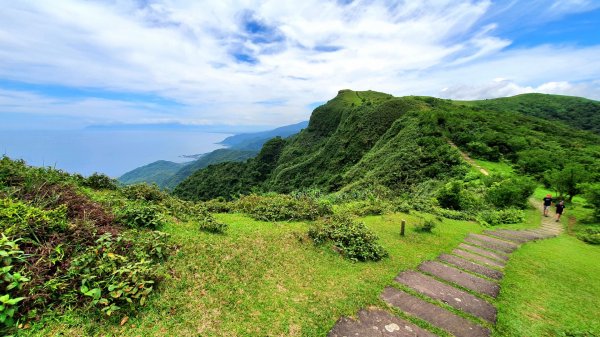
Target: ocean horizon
{"x":105,"y":151}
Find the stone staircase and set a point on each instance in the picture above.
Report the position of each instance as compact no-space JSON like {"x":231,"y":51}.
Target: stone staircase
{"x":451,"y":294}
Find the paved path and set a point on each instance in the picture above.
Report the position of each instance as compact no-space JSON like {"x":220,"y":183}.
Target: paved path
{"x":452,"y":293}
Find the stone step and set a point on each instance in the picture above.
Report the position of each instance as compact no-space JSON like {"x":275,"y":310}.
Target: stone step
{"x":448,"y":294}
{"x":376,"y":323}
{"x":471,"y":266}
{"x":478,"y":258}
{"x":508,"y":236}
{"x":518,"y":236}
{"x":510,"y":246}
{"x":489,"y":245}
{"x":493,"y":255}
{"x":437,"y":316}
{"x":543,"y":234}
{"x":460,"y":278}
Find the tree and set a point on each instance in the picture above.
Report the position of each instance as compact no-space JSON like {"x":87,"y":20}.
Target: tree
{"x":568,"y":181}
{"x":592,"y":195}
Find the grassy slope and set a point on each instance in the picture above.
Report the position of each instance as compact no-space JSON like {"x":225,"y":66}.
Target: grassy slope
{"x":260,"y":280}
{"x":551,"y":289}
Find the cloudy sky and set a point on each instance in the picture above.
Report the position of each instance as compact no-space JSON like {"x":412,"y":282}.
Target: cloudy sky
{"x":267,"y":63}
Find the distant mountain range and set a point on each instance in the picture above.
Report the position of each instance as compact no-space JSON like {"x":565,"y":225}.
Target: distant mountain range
{"x":241,"y":147}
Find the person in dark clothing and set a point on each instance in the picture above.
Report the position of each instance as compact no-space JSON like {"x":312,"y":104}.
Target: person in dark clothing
{"x":560,"y":207}
{"x":547,"y":204}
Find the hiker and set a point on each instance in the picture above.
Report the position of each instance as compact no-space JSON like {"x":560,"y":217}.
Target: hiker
{"x":547,"y":203}
{"x":559,"y":209}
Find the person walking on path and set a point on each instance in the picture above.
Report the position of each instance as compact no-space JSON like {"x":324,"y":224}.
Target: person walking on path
{"x":559,"y":209}
{"x":547,"y":204}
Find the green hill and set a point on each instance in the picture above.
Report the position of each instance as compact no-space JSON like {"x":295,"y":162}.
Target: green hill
{"x":577,"y":112}
{"x":370,"y":138}
{"x":158,"y":172}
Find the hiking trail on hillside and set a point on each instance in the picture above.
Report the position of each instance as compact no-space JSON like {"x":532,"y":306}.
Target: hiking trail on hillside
{"x":453,"y":293}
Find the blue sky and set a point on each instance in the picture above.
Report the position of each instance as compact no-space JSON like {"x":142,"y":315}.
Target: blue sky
{"x":68,"y":64}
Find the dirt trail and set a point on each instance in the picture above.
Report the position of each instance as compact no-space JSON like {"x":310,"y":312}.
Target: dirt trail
{"x":469,"y":159}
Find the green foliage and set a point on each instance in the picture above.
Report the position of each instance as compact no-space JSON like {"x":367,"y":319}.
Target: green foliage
{"x":143,"y":192}
{"x":99,"y":181}
{"x":500,"y":217}
{"x":578,"y":112}
{"x":509,"y":193}
{"x":21,"y":220}
{"x":569,"y":180}
{"x":427,"y":226}
{"x":592,"y":195}
{"x":455,"y":195}
{"x":219,"y":205}
{"x":140,"y":215}
{"x":113,"y":277}
{"x":351,"y":239}
{"x":590,"y":235}
{"x":276,"y":207}
{"x":11,"y":281}
{"x":366,"y":207}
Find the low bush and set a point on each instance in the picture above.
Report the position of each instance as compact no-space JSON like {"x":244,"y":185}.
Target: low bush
{"x":452,"y":214}
{"x":218,"y":206}
{"x":195,"y":212}
{"x":366,"y":207}
{"x":11,"y":281}
{"x":500,"y":217}
{"x":282,"y":207}
{"x":99,"y":181}
{"x":118,"y":272}
{"x":426,"y":226}
{"x":590,"y":235}
{"x":143,"y":192}
{"x":351,"y":239}
{"x":140,"y":215}
{"x":20,"y":220}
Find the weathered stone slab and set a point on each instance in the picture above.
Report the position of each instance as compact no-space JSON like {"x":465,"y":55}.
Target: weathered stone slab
{"x":461,"y":278}
{"x":433,"y":314}
{"x":471,"y":266}
{"x":478,"y":258}
{"x":497,"y":241}
{"x":509,"y":236}
{"x":523,"y":233}
{"x":489,"y":245}
{"x":376,"y":323}
{"x":448,"y":294}
{"x":543,"y":234}
{"x":496,"y":256}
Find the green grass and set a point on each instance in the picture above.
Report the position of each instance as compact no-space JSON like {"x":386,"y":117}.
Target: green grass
{"x":500,"y":167}
{"x":551,"y":288}
{"x":259,"y":279}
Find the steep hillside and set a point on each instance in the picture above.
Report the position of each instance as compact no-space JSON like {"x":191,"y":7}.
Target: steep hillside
{"x":577,"y":112}
{"x":369,"y":138}
{"x":214,"y":157}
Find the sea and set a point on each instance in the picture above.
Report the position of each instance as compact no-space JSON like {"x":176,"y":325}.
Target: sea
{"x":105,"y":151}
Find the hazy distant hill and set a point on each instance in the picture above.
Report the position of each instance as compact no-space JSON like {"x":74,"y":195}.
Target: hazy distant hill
{"x":254,"y":141}
{"x":157,"y":172}
{"x":365,"y":138}
{"x":241,"y":147}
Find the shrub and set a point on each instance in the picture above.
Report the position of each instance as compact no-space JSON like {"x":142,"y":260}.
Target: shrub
{"x":218,"y":206}
{"x":590,"y":235}
{"x":210,"y":224}
{"x":282,"y":207}
{"x":140,"y":215}
{"x":352,"y":239}
{"x":366,"y":207}
{"x":452,"y":214}
{"x":143,"y":192}
{"x":592,"y":195}
{"x":500,"y":217}
{"x":11,"y":281}
{"x":426,"y":226}
{"x":99,"y":181}
{"x":509,"y":193}
{"x":112,"y":276}
{"x":21,"y":220}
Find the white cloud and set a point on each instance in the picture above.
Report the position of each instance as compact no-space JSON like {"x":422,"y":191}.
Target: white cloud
{"x":306,"y":51}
